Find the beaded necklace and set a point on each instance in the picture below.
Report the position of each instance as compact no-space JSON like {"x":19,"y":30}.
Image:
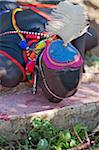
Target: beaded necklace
{"x":15,"y":24}
{"x":28,"y":33}
{"x":31,"y":71}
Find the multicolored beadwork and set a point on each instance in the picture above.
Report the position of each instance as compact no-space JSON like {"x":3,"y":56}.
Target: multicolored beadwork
{"x":23,"y":44}
{"x":31,"y":72}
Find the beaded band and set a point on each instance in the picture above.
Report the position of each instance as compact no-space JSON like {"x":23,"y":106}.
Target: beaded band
{"x":14,"y":22}
{"x":39,"y":35}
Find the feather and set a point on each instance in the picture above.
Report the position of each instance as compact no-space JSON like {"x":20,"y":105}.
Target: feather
{"x":68,"y":21}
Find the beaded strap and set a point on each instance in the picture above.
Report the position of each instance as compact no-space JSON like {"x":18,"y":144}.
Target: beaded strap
{"x":39,"y":35}
{"x":14,"y":22}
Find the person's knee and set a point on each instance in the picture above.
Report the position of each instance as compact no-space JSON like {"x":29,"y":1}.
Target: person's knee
{"x":10,"y":74}
{"x":11,"y":78}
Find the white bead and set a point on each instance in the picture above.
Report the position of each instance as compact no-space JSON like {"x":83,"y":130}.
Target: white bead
{"x":35,"y":33}
{"x":44,"y":35}
{"x":47,"y":36}
{"x":41,"y":34}
{"x":38,"y":37}
{"x":38,"y":33}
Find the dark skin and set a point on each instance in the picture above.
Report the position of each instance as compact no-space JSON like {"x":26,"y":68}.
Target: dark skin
{"x":10,"y":73}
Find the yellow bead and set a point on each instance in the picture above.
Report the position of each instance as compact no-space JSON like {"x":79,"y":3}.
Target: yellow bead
{"x":40,"y":45}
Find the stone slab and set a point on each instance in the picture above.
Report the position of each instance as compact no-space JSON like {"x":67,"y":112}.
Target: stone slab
{"x":24,"y":103}
{"x":83,"y":107}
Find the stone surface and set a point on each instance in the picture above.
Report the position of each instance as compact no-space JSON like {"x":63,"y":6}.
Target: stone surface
{"x":18,"y":108}
{"x":25,"y":103}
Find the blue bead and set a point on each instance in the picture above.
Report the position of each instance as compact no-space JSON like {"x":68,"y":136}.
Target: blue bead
{"x":23,"y":44}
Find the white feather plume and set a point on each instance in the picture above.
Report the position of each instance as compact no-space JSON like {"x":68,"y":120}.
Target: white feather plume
{"x":68,"y":21}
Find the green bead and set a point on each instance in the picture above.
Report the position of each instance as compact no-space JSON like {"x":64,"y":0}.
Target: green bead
{"x":29,"y":77}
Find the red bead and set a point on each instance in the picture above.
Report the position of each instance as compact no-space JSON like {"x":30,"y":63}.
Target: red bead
{"x":31,"y":36}
{"x":30,"y":66}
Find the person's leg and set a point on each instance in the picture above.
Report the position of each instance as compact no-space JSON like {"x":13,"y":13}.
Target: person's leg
{"x":87,"y":41}
{"x":80,"y":44}
{"x":91,"y":39}
{"x":10,"y":74}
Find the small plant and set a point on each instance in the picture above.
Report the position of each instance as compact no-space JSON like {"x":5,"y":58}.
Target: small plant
{"x":44,"y":136}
